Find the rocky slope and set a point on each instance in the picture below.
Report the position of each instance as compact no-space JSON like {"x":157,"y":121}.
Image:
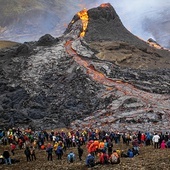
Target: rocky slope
{"x":108,"y":78}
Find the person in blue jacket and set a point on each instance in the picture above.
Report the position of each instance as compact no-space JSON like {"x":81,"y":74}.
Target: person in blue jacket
{"x":59,"y":152}
{"x":71,"y":157}
{"x":90,"y":161}
{"x":130,"y":153}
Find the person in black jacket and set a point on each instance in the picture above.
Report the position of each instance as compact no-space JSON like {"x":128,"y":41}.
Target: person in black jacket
{"x":80,"y":152}
{"x":28,"y":153}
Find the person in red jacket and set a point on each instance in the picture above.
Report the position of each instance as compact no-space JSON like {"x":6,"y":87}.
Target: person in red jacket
{"x":12,"y":147}
{"x":104,"y":158}
{"x":143,"y":138}
{"x":163,"y":144}
{"x":20,"y":143}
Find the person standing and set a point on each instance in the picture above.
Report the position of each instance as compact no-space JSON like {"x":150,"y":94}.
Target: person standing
{"x":139,"y":137}
{"x":155,"y":140}
{"x":12,"y":147}
{"x":27,"y":154}
{"x":59,"y":151}
{"x":32,"y":150}
{"x":49,"y":151}
{"x":80,"y":152}
{"x":110,"y":148}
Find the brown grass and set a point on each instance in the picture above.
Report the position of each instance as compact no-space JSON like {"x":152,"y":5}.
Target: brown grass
{"x":5,"y":44}
{"x":149,"y":159}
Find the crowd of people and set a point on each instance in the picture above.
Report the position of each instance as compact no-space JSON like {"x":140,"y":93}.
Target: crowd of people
{"x":99,"y":144}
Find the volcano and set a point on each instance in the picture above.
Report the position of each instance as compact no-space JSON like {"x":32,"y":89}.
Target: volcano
{"x":97,"y":74}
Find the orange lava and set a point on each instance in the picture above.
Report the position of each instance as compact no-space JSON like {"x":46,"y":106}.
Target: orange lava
{"x":84,"y":18}
{"x":105,"y":5}
{"x":124,"y":87}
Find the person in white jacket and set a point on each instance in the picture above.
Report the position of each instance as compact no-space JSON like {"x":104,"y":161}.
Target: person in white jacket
{"x":155,"y":140}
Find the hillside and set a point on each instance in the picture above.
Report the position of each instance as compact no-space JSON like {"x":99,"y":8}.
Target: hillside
{"x":27,"y":20}
{"x":5,"y":44}
{"x":111,"y":80}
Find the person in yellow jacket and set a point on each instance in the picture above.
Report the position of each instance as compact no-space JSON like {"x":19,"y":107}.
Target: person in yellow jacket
{"x":55,"y":145}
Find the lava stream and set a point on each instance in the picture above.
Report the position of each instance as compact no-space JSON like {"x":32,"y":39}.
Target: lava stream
{"x":126,"y":88}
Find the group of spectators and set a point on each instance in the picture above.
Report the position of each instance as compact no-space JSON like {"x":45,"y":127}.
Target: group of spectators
{"x":99,"y":144}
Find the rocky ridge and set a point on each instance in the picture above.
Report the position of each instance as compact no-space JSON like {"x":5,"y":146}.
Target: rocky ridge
{"x":94,"y":81}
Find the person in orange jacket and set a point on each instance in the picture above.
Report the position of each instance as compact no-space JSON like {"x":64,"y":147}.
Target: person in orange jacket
{"x":92,"y":148}
{"x":101,"y":146}
{"x":89,"y":143}
{"x":96,"y":144}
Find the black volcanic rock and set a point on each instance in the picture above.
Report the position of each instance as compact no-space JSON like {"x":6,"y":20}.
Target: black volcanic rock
{"x":46,"y":40}
{"x":24,"y":49}
{"x":104,"y":24}
{"x":78,"y":82}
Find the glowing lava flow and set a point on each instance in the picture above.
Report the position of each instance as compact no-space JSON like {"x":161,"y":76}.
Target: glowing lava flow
{"x":105,"y":5}
{"x":84,"y":18}
{"x":126,"y":88}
